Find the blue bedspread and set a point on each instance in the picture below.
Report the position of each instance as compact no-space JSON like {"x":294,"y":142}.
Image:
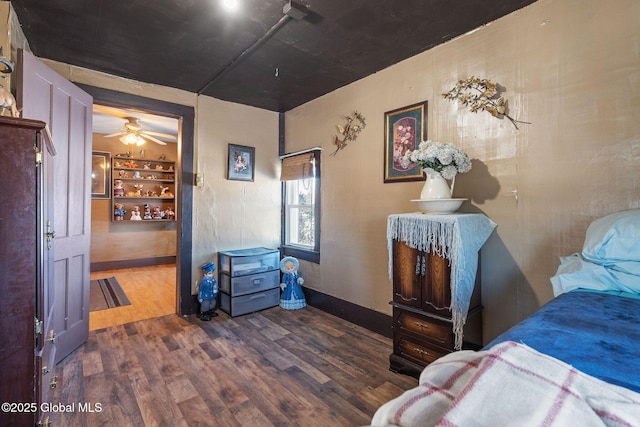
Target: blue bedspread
{"x":597,"y":333}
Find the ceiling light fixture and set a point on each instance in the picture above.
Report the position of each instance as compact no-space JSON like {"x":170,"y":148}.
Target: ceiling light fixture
{"x":132,"y":138}
{"x":230,"y":4}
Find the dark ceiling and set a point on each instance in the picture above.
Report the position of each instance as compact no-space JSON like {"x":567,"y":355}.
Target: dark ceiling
{"x":260,"y":55}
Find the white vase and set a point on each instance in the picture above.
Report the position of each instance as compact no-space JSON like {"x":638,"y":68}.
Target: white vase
{"x":436,"y":187}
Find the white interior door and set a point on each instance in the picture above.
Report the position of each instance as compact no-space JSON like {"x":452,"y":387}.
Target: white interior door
{"x":45,"y":95}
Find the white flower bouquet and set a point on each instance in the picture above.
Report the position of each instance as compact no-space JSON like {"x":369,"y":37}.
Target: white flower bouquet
{"x":442,"y":157}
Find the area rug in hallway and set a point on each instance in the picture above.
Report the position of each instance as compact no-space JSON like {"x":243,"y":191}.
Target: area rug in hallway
{"x":106,"y":293}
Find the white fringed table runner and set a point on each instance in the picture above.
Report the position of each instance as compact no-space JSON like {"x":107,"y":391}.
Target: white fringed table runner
{"x":456,"y":237}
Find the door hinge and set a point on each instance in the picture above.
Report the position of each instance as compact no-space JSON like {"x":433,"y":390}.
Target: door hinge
{"x":39,"y":326}
{"x":38,"y":155}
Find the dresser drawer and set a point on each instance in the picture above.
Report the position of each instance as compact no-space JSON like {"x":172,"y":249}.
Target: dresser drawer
{"x":416,"y":351}
{"x":423,"y":328}
{"x":237,"y":306}
{"x":242,"y":285}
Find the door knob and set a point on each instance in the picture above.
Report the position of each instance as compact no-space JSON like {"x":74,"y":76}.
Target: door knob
{"x":50,"y":234}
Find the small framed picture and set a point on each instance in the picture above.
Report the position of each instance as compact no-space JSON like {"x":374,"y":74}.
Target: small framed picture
{"x":100,"y":175}
{"x":404,"y":129}
{"x":241,"y":163}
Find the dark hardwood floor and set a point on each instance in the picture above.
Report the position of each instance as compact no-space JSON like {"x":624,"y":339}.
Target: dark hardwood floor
{"x":271,"y":368}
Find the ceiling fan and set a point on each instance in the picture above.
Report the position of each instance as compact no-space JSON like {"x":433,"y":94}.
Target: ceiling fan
{"x":133,"y":134}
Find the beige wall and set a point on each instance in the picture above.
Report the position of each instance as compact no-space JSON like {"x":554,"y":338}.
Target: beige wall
{"x":572,"y":69}
{"x":235,"y":214}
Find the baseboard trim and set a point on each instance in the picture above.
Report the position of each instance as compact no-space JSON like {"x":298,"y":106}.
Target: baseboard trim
{"x":131,"y":263}
{"x":367,"y":318}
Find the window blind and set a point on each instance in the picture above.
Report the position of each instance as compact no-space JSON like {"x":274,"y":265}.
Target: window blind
{"x":299,"y":166}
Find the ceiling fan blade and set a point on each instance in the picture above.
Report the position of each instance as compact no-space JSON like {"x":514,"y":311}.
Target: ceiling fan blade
{"x":160,"y":134}
{"x":115,"y":134}
{"x":151,"y":138}
{"x":112,"y":111}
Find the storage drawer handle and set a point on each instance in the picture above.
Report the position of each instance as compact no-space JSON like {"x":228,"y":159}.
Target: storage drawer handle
{"x":421,"y":351}
{"x":422,"y":325}
{"x":258,"y":296}
{"x":406,"y":299}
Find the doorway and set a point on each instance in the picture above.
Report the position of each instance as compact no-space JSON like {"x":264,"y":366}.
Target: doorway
{"x":185,"y":302}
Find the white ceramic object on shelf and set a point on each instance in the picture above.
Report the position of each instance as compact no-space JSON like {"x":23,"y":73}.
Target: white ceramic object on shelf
{"x":439,"y":206}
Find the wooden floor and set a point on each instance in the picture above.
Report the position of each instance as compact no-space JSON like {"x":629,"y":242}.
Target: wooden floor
{"x":151,"y":290}
{"x":271,"y":368}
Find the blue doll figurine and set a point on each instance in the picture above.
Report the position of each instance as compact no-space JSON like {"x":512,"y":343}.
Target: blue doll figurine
{"x":208,"y":293}
{"x":292,"y":297}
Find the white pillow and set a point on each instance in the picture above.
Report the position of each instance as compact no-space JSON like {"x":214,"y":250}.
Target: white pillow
{"x":613,"y":238}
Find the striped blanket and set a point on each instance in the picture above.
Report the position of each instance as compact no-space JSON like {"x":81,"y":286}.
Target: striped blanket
{"x":509,"y":385}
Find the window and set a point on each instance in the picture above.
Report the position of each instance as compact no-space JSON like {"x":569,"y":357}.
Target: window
{"x":301,"y":207}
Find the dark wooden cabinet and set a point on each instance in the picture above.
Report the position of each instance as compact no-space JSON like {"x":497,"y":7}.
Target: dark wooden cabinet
{"x":27,"y":351}
{"x":422,"y":318}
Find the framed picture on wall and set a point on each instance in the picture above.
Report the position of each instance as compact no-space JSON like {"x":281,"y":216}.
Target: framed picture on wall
{"x":404,"y":129}
{"x":100,"y":175}
{"x":241,"y":163}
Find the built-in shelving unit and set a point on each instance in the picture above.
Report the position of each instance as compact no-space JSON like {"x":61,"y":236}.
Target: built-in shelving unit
{"x":143,"y":185}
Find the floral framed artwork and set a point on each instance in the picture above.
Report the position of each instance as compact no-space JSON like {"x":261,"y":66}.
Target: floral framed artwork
{"x":241,"y":163}
{"x":404,"y":129}
{"x":100,"y":175}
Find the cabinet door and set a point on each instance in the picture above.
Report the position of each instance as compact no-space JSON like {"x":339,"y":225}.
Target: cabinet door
{"x":436,"y":287}
{"x":407,"y":274}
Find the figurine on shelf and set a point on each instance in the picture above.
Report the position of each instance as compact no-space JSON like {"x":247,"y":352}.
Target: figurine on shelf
{"x":147,"y":165}
{"x":118,"y":190}
{"x":164,"y":192}
{"x":147,"y":212}
{"x":292,"y":297}
{"x":157,"y":213}
{"x":136,"y":175}
{"x":169,"y":214}
{"x":135,"y":214}
{"x":137,"y":191}
{"x":131,"y":164}
{"x":208,"y":293}
{"x":123,"y":174}
{"x":158,"y":167}
{"x":118,"y":212}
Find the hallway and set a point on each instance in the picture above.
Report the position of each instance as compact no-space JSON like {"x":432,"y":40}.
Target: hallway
{"x":151,"y":290}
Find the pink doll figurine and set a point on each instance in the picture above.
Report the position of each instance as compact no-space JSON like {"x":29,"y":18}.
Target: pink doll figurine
{"x":118,"y":190}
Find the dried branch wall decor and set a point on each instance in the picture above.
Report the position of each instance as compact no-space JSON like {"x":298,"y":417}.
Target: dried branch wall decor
{"x":481,"y":95}
{"x":349,"y":132}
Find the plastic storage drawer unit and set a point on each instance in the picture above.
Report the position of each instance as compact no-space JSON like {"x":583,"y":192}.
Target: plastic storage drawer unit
{"x":237,"y":306}
{"x":249,"y":280}
{"x":248,"y":261}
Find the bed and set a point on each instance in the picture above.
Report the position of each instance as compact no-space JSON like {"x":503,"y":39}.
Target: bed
{"x":575,"y":361}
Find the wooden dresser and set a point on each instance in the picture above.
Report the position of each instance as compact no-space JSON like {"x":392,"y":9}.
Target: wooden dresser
{"x":421,"y":272}
{"x":27,"y":352}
